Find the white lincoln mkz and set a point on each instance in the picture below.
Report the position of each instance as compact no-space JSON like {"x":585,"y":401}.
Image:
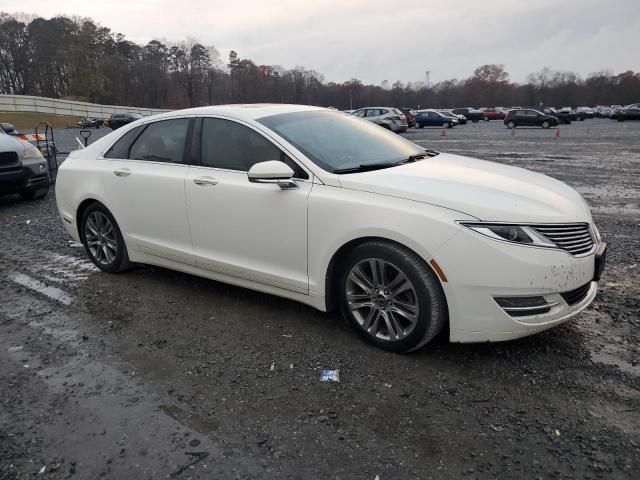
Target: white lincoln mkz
{"x":334,"y":211}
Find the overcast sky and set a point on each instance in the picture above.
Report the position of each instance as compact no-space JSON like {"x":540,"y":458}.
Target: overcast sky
{"x":374,"y":40}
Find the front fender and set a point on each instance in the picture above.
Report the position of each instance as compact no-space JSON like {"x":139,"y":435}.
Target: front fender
{"x":338,"y":216}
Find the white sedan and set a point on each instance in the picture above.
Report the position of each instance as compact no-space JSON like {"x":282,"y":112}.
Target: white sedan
{"x":336,"y":212}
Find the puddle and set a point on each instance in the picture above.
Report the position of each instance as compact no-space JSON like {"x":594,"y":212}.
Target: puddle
{"x":37,"y":286}
{"x":608,"y":358}
{"x":202,"y":425}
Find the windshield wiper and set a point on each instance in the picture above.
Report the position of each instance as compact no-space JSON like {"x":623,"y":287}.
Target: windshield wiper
{"x":381,"y":165}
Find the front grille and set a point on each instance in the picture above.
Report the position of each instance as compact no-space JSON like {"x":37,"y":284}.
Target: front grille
{"x":574,"y":297}
{"x":8,"y":158}
{"x":575,"y":238}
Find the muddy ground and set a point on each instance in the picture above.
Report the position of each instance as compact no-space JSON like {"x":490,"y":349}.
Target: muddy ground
{"x":136,"y":376}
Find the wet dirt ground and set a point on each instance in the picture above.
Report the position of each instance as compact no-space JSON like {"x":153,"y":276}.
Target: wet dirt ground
{"x":157,"y":374}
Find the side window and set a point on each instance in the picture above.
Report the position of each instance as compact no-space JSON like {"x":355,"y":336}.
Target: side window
{"x":372,"y":112}
{"x":232,"y":146}
{"x":120,"y":149}
{"x":359,"y":113}
{"x":161,"y":141}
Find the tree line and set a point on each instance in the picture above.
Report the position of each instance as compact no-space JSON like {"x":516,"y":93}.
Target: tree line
{"x":76,"y":58}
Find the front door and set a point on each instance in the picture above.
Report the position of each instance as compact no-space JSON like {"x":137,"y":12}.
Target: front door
{"x":249,"y":230}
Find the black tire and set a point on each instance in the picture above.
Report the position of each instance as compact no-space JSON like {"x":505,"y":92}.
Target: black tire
{"x":621,"y":119}
{"x":475,"y":120}
{"x":446,"y":125}
{"x":546,"y":124}
{"x":420,"y":125}
{"x":486,"y":119}
{"x":35,"y":193}
{"x":511,"y":124}
{"x":120,"y":262}
{"x":429,"y":296}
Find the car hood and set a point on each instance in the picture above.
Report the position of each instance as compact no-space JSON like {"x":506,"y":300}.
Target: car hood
{"x":9,"y":143}
{"x":486,"y":190}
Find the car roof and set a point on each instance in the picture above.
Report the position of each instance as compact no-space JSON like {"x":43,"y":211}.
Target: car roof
{"x":249,"y":111}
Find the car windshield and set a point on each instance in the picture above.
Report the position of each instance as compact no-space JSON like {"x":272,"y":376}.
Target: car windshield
{"x":338,"y":142}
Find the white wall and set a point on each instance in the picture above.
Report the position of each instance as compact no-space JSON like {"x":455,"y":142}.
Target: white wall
{"x":28,"y":103}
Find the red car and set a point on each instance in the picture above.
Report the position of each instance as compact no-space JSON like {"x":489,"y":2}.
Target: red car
{"x":493,"y":114}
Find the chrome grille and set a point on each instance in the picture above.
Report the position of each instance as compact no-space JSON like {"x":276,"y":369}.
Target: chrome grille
{"x":575,"y":238}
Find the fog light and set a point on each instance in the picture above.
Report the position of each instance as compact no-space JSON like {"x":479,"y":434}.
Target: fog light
{"x":523,"y":306}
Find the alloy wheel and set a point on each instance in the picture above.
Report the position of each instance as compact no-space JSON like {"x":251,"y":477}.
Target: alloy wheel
{"x":382,"y":299}
{"x":101,"y":238}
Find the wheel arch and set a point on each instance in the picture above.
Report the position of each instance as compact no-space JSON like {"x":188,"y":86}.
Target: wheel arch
{"x":336,"y":263}
{"x":82,"y":207}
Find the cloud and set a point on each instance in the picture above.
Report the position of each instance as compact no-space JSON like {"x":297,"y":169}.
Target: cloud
{"x":376,"y":39}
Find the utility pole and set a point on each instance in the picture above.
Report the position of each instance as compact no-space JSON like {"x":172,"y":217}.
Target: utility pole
{"x":427,"y":75}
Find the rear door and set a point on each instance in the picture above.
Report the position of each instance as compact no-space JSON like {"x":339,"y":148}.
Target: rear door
{"x":144,"y":184}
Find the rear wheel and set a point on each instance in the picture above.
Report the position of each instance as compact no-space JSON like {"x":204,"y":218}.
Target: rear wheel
{"x":391,"y":297}
{"x":103,"y":240}
{"x":486,"y":119}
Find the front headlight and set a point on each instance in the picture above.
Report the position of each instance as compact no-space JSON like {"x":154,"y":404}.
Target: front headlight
{"x":31,"y":152}
{"x":521,"y":234}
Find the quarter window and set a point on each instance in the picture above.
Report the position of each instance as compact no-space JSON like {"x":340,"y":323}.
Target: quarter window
{"x":231,"y":146}
{"x":120,"y":149}
{"x":161,"y":142}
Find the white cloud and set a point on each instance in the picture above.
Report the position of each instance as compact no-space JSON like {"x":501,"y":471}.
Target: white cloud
{"x":377,"y":39}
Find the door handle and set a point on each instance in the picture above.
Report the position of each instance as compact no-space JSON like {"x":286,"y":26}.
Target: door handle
{"x":122,"y":172}
{"x":205,"y":181}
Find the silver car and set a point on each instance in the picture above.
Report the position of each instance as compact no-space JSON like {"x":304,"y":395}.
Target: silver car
{"x":23,"y":169}
{"x":387,"y":117}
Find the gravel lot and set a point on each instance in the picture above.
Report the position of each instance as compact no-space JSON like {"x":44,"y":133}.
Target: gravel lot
{"x":139,"y":375}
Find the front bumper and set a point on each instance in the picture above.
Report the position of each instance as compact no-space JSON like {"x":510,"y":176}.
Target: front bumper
{"x":479,"y":269}
{"x":23,"y":178}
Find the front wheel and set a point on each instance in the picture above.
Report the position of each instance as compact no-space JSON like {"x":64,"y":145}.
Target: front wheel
{"x":103,"y":240}
{"x":446,"y":125}
{"x":511,"y":124}
{"x":391,"y":297}
{"x":546,"y":124}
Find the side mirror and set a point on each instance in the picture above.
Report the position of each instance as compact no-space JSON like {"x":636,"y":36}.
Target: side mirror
{"x":272,"y":171}
{"x":8,"y":128}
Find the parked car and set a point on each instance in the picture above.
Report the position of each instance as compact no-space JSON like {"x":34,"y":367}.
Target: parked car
{"x":458,"y":119}
{"x":334,"y":212}
{"x":471,"y":114}
{"x":493,"y":114}
{"x":90,"y":122}
{"x":562,"y":115}
{"x":462,"y":120}
{"x":433,"y":118}
{"x":409,"y":114}
{"x":23,"y":169}
{"x":630,"y":112}
{"x":118,"y":120}
{"x":8,"y":128}
{"x":603,"y":112}
{"x":528,"y":117}
{"x":387,"y":117}
{"x":585,"y":112}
